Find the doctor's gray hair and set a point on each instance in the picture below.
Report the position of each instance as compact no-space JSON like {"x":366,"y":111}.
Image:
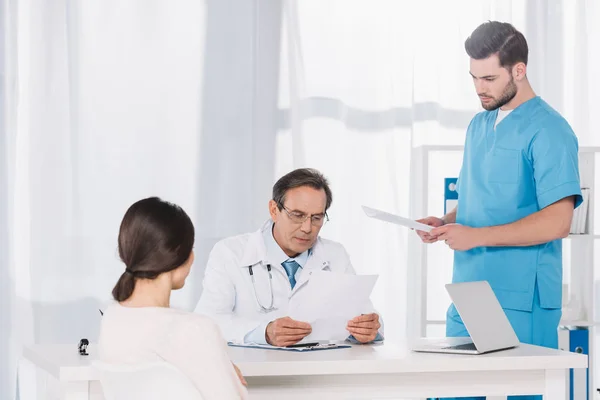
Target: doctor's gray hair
{"x":155,"y":237}
{"x":301,"y":177}
{"x":500,"y":38}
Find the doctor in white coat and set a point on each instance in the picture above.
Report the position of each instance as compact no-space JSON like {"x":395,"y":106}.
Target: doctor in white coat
{"x":250,"y":277}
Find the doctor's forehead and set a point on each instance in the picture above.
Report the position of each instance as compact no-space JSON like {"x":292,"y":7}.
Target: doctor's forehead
{"x":306,"y":199}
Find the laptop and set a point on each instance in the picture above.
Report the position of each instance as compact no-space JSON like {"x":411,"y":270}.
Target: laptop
{"x":483,"y":317}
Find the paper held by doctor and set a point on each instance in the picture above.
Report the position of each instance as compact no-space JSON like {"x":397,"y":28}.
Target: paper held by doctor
{"x":396,"y":219}
{"x":329,"y":301}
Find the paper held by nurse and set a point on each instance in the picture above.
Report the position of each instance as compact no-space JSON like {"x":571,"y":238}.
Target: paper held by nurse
{"x":396,"y":219}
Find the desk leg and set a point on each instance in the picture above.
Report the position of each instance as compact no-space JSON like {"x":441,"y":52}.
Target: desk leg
{"x":75,"y":391}
{"x":556,"y":384}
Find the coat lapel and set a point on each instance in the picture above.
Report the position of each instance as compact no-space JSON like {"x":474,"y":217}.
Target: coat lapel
{"x":316,"y":262}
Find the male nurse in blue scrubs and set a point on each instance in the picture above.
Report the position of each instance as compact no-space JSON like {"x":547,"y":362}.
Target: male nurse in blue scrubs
{"x":517,"y":187}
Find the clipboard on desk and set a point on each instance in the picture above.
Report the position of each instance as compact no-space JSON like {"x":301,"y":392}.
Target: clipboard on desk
{"x":301,"y":347}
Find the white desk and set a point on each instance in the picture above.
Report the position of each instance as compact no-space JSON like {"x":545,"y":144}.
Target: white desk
{"x":362,"y":372}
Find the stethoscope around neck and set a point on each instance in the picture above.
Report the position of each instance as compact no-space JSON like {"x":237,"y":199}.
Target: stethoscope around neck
{"x":271,"y":307}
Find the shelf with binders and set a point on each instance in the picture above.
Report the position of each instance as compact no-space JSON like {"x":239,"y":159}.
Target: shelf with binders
{"x":580,"y":224}
{"x":576,"y":236}
{"x":579,"y":323}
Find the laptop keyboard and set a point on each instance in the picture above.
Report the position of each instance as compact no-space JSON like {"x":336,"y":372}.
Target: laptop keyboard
{"x":466,"y":346}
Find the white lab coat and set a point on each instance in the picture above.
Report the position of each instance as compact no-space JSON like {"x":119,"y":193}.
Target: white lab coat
{"x":228,"y":295}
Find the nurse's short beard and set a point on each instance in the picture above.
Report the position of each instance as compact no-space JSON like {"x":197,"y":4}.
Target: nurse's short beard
{"x":509,"y":93}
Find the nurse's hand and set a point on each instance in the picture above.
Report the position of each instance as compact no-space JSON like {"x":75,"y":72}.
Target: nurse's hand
{"x":286,"y":331}
{"x":364,"y":328}
{"x":428,"y":237}
{"x":458,"y":237}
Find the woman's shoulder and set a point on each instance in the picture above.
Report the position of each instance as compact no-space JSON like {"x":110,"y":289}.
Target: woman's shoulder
{"x":172,"y":320}
{"x":168,"y":317}
{"x":189,"y":321}
{"x":191,"y":330}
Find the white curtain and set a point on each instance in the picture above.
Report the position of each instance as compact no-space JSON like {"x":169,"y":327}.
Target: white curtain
{"x":206,"y":103}
{"x":106,"y":103}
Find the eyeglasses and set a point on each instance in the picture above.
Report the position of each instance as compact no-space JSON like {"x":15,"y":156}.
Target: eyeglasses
{"x":299,"y":217}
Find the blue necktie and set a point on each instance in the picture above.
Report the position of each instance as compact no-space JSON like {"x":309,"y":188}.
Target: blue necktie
{"x":291,"y":267}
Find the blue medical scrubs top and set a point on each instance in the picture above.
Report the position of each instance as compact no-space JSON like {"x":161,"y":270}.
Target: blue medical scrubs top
{"x":526,"y":163}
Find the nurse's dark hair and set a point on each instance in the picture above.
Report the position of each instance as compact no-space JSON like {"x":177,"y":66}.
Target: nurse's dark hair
{"x":155,"y":237}
{"x":301,"y":177}
{"x":493,"y":37}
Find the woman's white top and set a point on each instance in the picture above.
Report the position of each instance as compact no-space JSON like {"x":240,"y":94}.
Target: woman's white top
{"x":188,"y":341}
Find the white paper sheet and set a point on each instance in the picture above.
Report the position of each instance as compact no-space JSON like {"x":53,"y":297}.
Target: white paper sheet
{"x":396,"y":219}
{"x":329,"y":301}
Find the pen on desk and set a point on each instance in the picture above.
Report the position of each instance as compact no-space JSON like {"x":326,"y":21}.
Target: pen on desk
{"x":101,"y":313}
{"x":303,"y":345}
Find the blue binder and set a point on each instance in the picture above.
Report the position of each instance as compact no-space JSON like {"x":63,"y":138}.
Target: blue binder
{"x":576,"y":340}
{"x":579,"y":342}
{"x":450,"y":194}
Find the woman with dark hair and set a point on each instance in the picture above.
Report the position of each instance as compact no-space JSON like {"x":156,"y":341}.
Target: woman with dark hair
{"x":156,"y":241}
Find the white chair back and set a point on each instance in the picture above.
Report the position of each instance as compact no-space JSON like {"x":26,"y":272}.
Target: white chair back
{"x":155,"y":381}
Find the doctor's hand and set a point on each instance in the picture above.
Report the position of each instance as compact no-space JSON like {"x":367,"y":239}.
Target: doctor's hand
{"x":364,"y":328}
{"x":458,"y":237}
{"x":286,"y":331}
{"x":428,"y":237}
